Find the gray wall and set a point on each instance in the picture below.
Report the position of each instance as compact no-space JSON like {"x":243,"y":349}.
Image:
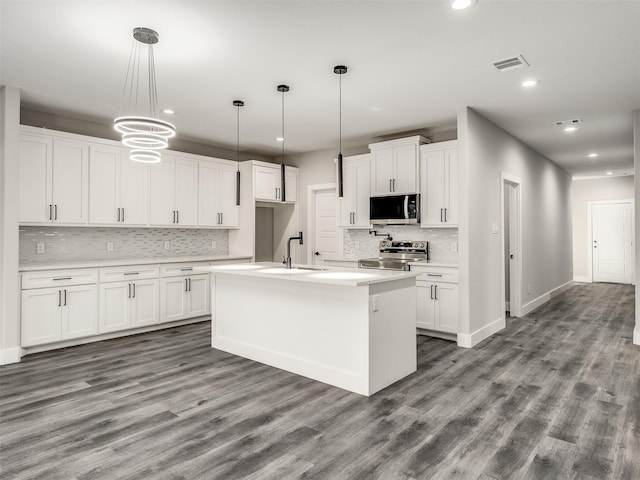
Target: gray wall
{"x":485,"y":151}
{"x":636,"y":156}
{"x":584,"y":191}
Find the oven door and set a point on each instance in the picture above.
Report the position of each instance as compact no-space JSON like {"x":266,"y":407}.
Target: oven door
{"x":383,"y":264}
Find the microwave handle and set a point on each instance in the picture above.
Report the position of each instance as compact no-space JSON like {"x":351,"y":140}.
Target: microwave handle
{"x":406,"y":207}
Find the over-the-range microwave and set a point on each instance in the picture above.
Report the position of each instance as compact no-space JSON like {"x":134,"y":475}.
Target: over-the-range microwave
{"x":395,"y":209}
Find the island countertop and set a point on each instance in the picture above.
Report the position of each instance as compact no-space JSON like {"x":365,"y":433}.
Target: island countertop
{"x":310,"y":273}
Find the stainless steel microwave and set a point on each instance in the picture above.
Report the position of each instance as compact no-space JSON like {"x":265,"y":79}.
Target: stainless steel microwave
{"x":395,"y":209}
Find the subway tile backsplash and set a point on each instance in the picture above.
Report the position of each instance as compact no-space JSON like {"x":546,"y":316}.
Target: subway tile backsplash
{"x":89,"y":243}
{"x":440,"y":240}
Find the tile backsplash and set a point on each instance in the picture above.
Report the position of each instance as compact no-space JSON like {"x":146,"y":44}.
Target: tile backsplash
{"x":90,"y":243}
{"x":361,"y":244}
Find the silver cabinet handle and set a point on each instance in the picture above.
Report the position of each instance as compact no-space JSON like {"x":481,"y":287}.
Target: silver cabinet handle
{"x":59,"y":298}
{"x":62,"y":278}
{"x":189,"y":283}
{"x":186,"y":284}
{"x":131,"y":273}
{"x":441,"y":214}
{"x":390,"y":185}
{"x":186,"y":269}
{"x":394,"y":185}
{"x":445,"y":215}
{"x":431,"y":291}
{"x":221,"y":218}
{"x":434,"y":274}
{"x":177,"y":216}
{"x":435,"y":288}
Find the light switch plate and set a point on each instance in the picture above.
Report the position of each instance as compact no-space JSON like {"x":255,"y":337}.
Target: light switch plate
{"x":374,"y":303}
{"x":454,"y":246}
{"x":214,"y":244}
{"x":495,"y":228}
{"x":167,"y":245}
{"x":39,"y":248}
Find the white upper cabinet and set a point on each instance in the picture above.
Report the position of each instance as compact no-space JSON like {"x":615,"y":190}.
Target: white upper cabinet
{"x":53,"y":180}
{"x":117,"y":187}
{"x":394,"y":166}
{"x":267,"y":183}
{"x":439,"y":182}
{"x":217,"y":195}
{"x":173,"y":192}
{"x":356,"y":180}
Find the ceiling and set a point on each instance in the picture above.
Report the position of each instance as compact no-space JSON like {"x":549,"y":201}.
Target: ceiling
{"x":412,"y":66}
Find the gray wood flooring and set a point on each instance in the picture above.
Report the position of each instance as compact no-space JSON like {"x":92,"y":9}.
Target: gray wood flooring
{"x":556,"y":395}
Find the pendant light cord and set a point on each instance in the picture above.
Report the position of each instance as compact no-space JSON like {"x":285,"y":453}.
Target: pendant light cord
{"x":283,"y":138}
{"x":238,"y":136}
{"x":340,"y":114}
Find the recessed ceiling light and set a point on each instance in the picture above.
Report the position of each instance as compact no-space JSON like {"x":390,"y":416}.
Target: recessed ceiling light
{"x":609,"y":173}
{"x":462,"y":4}
{"x":279,"y":139}
{"x":593,"y":155}
{"x":530,"y":83}
{"x":169,"y":111}
{"x":570,"y":129}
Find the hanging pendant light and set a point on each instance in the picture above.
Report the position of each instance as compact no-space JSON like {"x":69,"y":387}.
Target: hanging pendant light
{"x":283,"y":89}
{"x":141,"y":128}
{"x":238,"y":104}
{"x":340,"y":70}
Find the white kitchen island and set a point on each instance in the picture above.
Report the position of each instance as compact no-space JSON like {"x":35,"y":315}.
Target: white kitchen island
{"x":352,"y":329}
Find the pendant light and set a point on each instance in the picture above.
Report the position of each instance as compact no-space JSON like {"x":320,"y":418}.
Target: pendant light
{"x":140,"y":125}
{"x":340,"y":70}
{"x":238,"y":104}
{"x":283,"y":89}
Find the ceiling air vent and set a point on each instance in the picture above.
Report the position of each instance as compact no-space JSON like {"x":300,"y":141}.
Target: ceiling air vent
{"x":567,"y":123}
{"x":512,"y":63}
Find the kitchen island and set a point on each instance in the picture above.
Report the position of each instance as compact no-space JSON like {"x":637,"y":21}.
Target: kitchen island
{"x":349,"y":328}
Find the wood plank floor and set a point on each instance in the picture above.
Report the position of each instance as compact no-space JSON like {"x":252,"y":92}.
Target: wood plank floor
{"x":555,"y":395}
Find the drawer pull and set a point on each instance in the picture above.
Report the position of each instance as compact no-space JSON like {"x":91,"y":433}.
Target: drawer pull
{"x":63,"y":278}
{"x":132,"y":273}
{"x":434,"y":274}
{"x":189,"y":269}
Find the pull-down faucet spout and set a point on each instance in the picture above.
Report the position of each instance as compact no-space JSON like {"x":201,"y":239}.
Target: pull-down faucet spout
{"x":287,"y":260}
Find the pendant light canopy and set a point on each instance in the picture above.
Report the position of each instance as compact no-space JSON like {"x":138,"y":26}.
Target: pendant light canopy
{"x":238,"y":104}
{"x":139,"y":123}
{"x":340,"y":70}
{"x":283,"y":89}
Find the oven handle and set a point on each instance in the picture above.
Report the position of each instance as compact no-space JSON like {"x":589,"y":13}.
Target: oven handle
{"x":406,"y":207}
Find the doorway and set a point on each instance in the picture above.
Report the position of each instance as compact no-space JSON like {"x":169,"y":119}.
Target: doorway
{"x":511,"y":245}
{"x":611,"y":243}
{"x":323,"y":225}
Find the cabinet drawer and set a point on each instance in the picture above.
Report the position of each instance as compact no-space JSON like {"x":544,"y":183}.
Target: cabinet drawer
{"x":436,"y":274}
{"x":58,"y":278}
{"x":129,"y":272}
{"x":179,"y":269}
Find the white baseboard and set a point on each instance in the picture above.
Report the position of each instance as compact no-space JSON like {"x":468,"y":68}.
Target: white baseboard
{"x":636,"y":335}
{"x":10,"y":355}
{"x":472,"y":339}
{"x":581,"y":279}
{"x":542,"y":299}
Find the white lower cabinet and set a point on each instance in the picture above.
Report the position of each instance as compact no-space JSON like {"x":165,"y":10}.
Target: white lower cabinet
{"x":184,"y":297}
{"x":58,"y":313}
{"x":125,"y":305}
{"x":438,"y":299}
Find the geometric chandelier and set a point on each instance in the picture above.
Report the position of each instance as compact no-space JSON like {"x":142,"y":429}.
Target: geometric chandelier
{"x":141,"y":129}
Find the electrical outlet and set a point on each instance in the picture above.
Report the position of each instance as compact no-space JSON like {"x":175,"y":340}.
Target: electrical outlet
{"x":109,"y":246}
{"x":214,"y":244}
{"x":454,"y":246}
{"x":495,"y":228}
{"x":375,"y":299}
{"x":529,"y":289}
{"x":356,"y":245}
{"x":167,"y":245}
{"x":39,"y":248}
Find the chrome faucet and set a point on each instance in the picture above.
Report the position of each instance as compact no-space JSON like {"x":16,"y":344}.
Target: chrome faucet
{"x":287,"y":260}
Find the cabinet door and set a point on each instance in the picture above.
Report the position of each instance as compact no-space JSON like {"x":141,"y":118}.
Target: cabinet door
{"x":198,"y":296}
{"x":227,"y":197}
{"x":266,"y":183}
{"x":291,"y":185}
{"x":425,"y":313}
{"x":40,"y":316}
{"x":162,"y":192}
{"x":70,"y":182}
{"x":405,"y":169}
{"x":104,"y":175}
{"x":173,"y":299}
{"x":382,"y":172}
{"x":187,"y":192}
{"x":348,"y":201}
{"x":447,"y":307}
{"x":362,"y":193}
{"x":36,"y":157}
{"x":134,"y":188}
{"x":114,"y":306}
{"x":144,"y":303}
{"x":433,"y":201}
{"x":208,"y":186}
{"x":79,"y":312}
{"x":451,"y":185}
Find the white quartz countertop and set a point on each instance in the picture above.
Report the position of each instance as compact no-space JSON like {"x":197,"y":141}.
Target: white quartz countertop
{"x":310,"y":274}
{"x":430,"y":263}
{"x":128,"y":261}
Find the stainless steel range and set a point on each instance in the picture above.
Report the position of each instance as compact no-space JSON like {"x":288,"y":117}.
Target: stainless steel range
{"x":396,"y":255}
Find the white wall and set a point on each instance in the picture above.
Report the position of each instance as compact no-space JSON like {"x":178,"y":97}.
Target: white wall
{"x":9,"y":293}
{"x":486,"y":150}
{"x":591,"y":190}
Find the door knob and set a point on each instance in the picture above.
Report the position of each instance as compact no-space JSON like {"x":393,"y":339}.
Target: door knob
{"x":316,"y":253}
{"x":511,"y":256}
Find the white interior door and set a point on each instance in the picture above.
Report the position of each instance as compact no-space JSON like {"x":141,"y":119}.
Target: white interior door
{"x":325,"y":225}
{"x":611,"y":231}
{"x":512,"y":242}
